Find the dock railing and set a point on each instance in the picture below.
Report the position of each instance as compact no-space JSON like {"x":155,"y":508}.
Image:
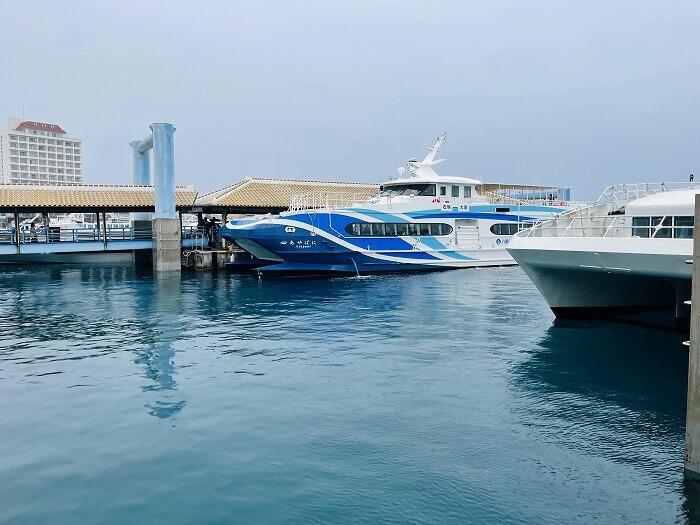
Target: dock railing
{"x":90,"y":234}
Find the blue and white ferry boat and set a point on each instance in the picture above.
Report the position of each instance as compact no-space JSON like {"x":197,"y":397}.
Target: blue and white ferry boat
{"x":422,"y":221}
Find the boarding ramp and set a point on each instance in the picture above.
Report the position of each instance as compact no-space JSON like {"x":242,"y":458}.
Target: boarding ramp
{"x":27,"y":227}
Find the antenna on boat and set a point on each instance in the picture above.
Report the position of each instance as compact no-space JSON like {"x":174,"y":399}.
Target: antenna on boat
{"x":401,"y":170}
{"x":424,"y":168}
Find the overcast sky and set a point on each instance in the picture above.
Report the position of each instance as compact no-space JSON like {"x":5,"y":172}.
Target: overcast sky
{"x":580,"y":93}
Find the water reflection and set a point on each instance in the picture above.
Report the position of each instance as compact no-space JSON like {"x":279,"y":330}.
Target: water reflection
{"x":610,"y":391}
{"x":640,"y":369}
{"x":165,"y":307}
{"x":454,"y":387}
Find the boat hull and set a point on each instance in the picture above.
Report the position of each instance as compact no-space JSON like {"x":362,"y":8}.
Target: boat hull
{"x":605,"y":280}
{"x":354,"y":240}
{"x":309,"y":251}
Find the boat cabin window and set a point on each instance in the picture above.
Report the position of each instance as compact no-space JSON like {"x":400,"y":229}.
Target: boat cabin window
{"x":380,"y":229}
{"x":667,"y":227}
{"x":683,"y":227}
{"x":443,"y":191}
{"x":509,"y":228}
{"x":408,"y":189}
{"x":467,"y":192}
{"x":455,"y":191}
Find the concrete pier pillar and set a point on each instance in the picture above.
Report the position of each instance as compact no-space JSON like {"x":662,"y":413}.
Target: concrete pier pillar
{"x":692,"y":419}
{"x":166,"y":224}
{"x":166,"y":245}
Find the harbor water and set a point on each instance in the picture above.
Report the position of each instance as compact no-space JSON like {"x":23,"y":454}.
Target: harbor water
{"x":445,"y":397}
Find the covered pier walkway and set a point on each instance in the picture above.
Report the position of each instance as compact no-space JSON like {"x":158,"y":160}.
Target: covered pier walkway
{"x":120,"y":216}
{"x":37,"y":219}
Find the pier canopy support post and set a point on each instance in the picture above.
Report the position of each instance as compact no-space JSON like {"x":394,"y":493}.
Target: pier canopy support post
{"x":18,"y":233}
{"x":692,"y":419}
{"x":104,"y":228}
{"x":167,"y":237}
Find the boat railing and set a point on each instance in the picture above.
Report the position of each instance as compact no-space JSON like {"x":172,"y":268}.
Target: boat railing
{"x":597,"y":220}
{"x":605,"y":217}
{"x":496,"y":198}
{"x":89,"y":234}
{"x":320,"y":200}
{"x":621,"y":194}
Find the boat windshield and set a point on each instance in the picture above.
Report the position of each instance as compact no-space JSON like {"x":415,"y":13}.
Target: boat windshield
{"x":408,"y":190}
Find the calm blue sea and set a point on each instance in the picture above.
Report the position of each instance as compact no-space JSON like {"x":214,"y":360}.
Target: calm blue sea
{"x":448,"y":397}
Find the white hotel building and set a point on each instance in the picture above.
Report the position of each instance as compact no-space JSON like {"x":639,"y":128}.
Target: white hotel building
{"x":38,"y":153}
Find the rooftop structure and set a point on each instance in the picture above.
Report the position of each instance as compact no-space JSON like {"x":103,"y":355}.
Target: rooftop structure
{"x":274,"y":195}
{"x":38,"y":153}
{"x":87,"y":198}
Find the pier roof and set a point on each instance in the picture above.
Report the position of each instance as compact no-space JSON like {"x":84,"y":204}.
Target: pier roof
{"x":87,"y":198}
{"x":274,"y":195}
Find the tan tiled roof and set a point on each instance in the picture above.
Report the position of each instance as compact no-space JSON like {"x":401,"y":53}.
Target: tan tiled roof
{"x":88,"y":196}
{"x":276,"y":193}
